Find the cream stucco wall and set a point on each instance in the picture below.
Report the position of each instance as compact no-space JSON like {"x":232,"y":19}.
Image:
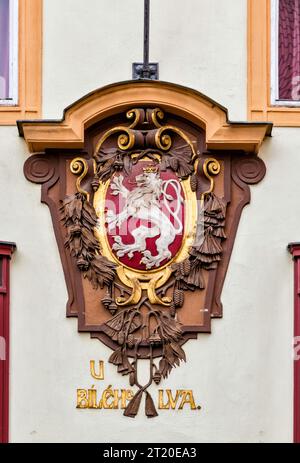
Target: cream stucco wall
{"x":198,"y":43}
{"x":242,"y":373}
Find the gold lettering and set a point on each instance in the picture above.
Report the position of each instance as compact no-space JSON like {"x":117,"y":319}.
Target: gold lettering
{"x":108,"y":393}
{"x":117,"y":399}
{"x":100,"y":374}
{"x":161,"y":404}
{"x":127,"y":395}
{"x":82,"y":398}
{"x":171,"y":403}
{"x":92,"y":398}
{"x":187,"y":398}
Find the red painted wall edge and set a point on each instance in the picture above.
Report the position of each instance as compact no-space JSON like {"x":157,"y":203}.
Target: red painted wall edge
{"x":6,"y":250}
{"x":294,"y":249}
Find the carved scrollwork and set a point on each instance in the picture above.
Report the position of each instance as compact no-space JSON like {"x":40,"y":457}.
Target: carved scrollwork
{"x":80,"y":167}
{"x":157,"y":116}
{"x":211,"y":168}
{"x":134,"y":114}
{"x":39,"y":169}
{"x":250,"y":169}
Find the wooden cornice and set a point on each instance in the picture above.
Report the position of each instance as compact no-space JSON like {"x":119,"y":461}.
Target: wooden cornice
{"x":68,"y":133}
{"x":7,"y":248}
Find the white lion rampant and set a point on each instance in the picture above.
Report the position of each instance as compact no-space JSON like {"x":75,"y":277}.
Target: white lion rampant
{"x":143,"y":203}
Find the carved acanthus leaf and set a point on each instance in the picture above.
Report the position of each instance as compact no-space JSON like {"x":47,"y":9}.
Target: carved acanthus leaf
{"x":208,"y":253}
{"x":110,"y":161}
{"x":179,"y":159}
{"x":79,"y":218}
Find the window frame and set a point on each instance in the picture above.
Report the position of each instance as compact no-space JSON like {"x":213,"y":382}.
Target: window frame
{"x":27,"y":81}
{"x":260,"y":71}
{"x":12,"y":99}
{"x":6,"y":251}
{"x":294,"y":249}
{"x":275,"y":100}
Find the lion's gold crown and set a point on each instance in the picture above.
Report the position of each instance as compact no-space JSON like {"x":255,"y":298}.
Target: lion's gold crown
{"x":150,"y":170}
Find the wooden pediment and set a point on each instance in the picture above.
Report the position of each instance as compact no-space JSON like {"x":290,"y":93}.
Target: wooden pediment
{"x":221,"y":134}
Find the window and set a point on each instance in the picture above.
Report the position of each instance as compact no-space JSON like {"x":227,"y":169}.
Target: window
{"x":274,"y":61}
{"x":8,"y":52}
{"x":285,"y":56}
{"x":20,"y":60}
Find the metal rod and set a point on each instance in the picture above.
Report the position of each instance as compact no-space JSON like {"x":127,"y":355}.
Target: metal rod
{"x":145,"y":70}
{"x":146,"y":32}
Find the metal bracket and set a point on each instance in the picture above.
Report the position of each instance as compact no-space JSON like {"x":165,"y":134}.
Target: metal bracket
{"x":142,"y":71}
{"x":145,"y":70}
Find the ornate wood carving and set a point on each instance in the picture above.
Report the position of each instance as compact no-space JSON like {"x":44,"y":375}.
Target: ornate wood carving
{"x":145,"y":291}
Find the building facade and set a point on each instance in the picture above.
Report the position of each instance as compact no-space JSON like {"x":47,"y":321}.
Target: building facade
{"x":242,"y":374}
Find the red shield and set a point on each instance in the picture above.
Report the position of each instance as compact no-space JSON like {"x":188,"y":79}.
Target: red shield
{"x":144,"y":214}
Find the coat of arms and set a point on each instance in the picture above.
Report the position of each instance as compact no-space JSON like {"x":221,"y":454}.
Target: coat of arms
{"x":147,"y":237}
{"x":145,"y":219}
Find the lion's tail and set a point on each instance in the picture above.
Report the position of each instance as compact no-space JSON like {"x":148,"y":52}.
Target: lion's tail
{"x":174,"y":214}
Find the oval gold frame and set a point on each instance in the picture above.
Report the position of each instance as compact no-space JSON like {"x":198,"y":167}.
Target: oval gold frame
{"x":151,"y":280}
